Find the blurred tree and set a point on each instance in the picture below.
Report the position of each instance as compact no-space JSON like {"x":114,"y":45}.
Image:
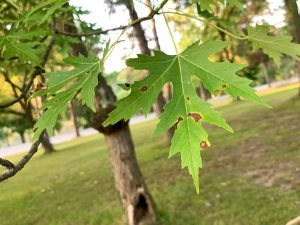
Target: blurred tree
{"x":18,"y":125}
{"x":293,"y":19}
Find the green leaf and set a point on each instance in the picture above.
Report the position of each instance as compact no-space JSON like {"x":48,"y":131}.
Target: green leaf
{"x":87,"y":70}
{"x":125,"y":87}
{"x":186,"y":110}
{"x":205,"y":4}
{"x":236,"y":3}
{"x":30,"y":12}
{"x":53,"y":8}
{"x":274,"y":46}
{"x":16,"y":47}
{"x":210,"y":16}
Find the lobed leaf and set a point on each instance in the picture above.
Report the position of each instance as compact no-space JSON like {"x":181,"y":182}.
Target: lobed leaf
{"x":16,"y":47}
{"x":274,"y":46}
{"x":86,"y":70}
{"x":186,"y":110}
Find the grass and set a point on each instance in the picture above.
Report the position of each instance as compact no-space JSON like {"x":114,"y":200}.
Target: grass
{"x":250,"y":177}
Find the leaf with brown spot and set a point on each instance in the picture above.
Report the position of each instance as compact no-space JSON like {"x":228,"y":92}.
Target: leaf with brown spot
{"x":178,"y":69}
{"x":196,"y":116}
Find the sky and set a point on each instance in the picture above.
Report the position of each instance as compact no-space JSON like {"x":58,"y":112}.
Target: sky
{"x":99,"y":14}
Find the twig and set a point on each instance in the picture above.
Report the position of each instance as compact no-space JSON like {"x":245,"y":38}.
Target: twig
{"x":12,"y":170}
{"x":6,"y":163}
{"x":150,"y":16}
{"x":36,"y":72}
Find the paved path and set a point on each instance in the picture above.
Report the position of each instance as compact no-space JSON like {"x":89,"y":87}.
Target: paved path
{"x":65,"y":137}
{"x":89,"y":131}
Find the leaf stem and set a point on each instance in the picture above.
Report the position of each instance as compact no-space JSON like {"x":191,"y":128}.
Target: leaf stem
{"x":170,"y":33}
{"x":211,"y":24}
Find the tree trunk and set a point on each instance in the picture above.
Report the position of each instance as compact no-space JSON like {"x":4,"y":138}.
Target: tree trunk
{"x":22,"y":137}
{"x":48,"y":147}
{"x":74,"y":118}
{"x":265,"y":68}
{"x":298,"y":67}
{"x":293,"y":17}
{"x":202,"y":91}
{"x":137,"y":201}
{"x":143,"y":45}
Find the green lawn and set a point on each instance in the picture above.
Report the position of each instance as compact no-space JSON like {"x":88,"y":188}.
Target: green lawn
{"x":250,"y":177}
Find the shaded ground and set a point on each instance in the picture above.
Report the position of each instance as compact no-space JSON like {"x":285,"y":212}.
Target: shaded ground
{"x":250,"y":177}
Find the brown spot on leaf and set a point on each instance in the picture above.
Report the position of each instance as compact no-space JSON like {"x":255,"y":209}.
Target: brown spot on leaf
{"x":15,"y":49}
{"x":224,"y":85}
{"x":196,"y":116}
{"x":39,"y":87}
{"x":217,"y":91}
{"x":203,"y":145}
{"x":144,"y":88}
{"x":188,"y":98}
{"x":175,"y":124}
{"x":16,"y":40}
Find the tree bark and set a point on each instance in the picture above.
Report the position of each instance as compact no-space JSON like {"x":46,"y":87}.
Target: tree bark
{"x":22,"y":136}
{"x":202,"y":91}
{"x":138,"y":205}
{"x":265,"y":69}
{"x":143,"y":45}
{"x":74,"y":118}
{"x":136,"y":199}
{"x":293,"y":17}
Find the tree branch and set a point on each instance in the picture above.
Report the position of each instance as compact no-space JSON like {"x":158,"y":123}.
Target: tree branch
{"x":12,"y":112}
{"x":36,"y":72}
{"x":12,"y":170}
{"x":150,"y":16}
{"x":6,"y":163}
{"x":11,"y":83}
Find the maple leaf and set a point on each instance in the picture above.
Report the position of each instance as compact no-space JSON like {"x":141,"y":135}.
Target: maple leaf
{"x":58,"y":4}
{"x":23,"y":50}
{"x":205,"y":4}
{"x":186,"y":110}
{"x":87,"y":70}
{"x":274,"y":46}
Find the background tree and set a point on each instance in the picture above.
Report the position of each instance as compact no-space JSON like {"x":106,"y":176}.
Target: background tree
{"x":293,"y":19}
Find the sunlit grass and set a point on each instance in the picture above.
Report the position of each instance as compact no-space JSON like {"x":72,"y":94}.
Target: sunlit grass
{"x":249,"y":177}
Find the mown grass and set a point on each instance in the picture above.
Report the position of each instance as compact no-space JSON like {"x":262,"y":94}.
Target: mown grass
{"x":249,"y":177}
